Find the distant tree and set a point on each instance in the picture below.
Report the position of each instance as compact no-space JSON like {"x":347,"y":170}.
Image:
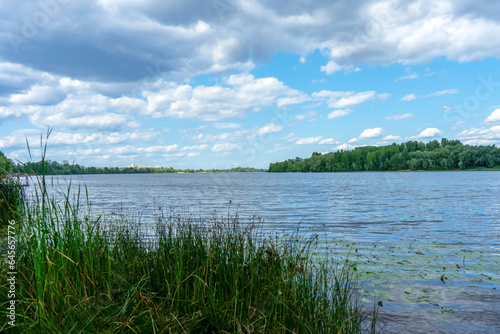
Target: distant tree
{"x":412,"y":155}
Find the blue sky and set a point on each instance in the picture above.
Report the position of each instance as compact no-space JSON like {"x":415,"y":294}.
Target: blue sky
{"x":224,"y":83}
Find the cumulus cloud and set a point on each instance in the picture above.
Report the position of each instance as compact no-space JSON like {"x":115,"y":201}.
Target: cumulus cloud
{"x":429,"y":133}
{"x":195,"y":37}
{"x":264,"y":130}
{"x":221,"y":126}
{"x":213,"y":103}
{"x":195,"y":148}
{"x":492,"y":134}
{"x":409,"y":97}
{"x":328,"y":141}
{"x":225,"y":147}
{"x":344,"y":146}
{"x":372,"y":133}
{"x":331,"y":67}
{"x":18,"y":138}
{"x":37,"y":95}
{"x":493,"y":118}
{"x":426,"y":134}
{"x":308,"y":140}
{"x":102,"y":122}
{"x":392,"y":138}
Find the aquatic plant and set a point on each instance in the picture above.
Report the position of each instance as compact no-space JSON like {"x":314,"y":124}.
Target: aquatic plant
{"x":80,"y":273}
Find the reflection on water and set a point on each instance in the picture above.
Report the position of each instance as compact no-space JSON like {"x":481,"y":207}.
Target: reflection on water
{"x":446,"y":212}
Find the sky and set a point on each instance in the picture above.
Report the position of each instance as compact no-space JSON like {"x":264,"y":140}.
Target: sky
{"x":226,"y":83}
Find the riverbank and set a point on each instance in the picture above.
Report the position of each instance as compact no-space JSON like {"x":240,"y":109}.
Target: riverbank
{"x":75,"y":272}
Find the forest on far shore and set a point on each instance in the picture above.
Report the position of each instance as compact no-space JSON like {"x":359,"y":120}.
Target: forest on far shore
{"x":412,"y":155}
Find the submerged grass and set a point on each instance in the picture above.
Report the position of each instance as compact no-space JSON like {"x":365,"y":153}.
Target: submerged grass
{"x":78,"y":274}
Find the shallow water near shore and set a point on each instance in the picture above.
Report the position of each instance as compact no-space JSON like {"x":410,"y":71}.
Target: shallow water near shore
{"x":426,"y":245}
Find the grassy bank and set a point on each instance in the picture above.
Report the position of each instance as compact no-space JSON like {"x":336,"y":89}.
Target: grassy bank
{"x":76,"y":273}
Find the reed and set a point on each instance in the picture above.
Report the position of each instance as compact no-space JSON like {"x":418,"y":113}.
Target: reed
{"x":79,"y":273}
{"x":11,"y":200}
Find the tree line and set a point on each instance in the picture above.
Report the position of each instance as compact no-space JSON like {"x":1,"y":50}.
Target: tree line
{"x":55,"y":168}
{"x":412,"y":155}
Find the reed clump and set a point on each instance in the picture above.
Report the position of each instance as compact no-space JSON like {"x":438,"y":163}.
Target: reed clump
{"x":11,"y":200}
{"x":77,"y":273}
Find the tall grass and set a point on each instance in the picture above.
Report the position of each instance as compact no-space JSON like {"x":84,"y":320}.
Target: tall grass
{"x":80,"y":274}
{"x":10,"y":201}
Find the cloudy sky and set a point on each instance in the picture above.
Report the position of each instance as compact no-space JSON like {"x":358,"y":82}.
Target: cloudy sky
{"x":223,"y":83}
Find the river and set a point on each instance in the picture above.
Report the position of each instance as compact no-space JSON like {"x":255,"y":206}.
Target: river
{"x":428,"y":243}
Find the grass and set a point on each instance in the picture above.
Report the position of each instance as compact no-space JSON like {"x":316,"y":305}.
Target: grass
{"x":10,"y":201}
{"x":77,"y":273}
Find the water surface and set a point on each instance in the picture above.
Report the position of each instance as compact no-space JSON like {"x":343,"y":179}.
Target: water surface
{"x":428,"y":242}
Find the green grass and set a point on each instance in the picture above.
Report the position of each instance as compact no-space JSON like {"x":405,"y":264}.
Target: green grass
{"x":77,"y":273}
{"x":10,"y":201}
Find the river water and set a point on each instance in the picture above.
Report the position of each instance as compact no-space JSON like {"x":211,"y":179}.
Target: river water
{"x":427,"y":243}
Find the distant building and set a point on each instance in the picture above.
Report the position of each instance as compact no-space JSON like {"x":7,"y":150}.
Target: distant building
{"x":148,"y":166}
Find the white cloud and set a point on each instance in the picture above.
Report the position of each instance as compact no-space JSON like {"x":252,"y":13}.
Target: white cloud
{"x":308,"y":114}
{"x":392,"y":138}
{"x":183,"y":39}
{"x":38,"y":95}
{"x":286,"y":101}
{"x":353,"y":140}
{"x":443,"y":92}
{"x":383,"y":96}
{"x":342,"y":99}
{"x":308,"y":140}
{"x":264,"y":130}
{"x":195,"y":148}
{"x":447,"y":109}
{"x":409,"y":97}
{"x":221,"y":126}
{"x":344,"y":146}
{"x":353,"y":99}
{"x":372,"y":133}
{"x":493,"y":118}
{"x":477,"y":142}
{"x":427,"y":133}
{"x":291,"y":137}
{"x":400,"y":117}
{"x":213,"y":103}
{"x":492,"y":134}
{"x":225,"y":147}
{"x":331,"y":67}
{"x":407,"y":77}
{"x":18,"y":138}
{"x":328,"y":141}
{"x":99,"y":122}
{"x":158,"y":149}
{"x":339,"y":113}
